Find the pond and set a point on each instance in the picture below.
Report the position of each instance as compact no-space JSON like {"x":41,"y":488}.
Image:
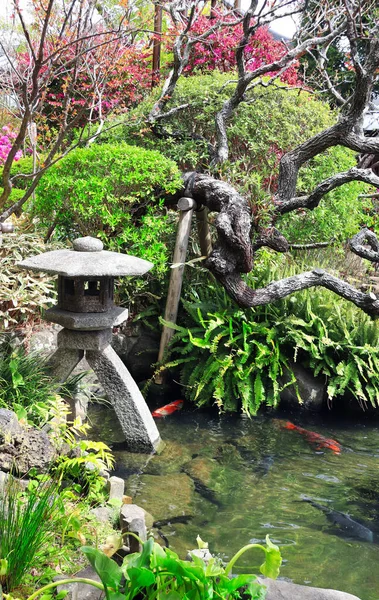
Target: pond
{"x":235,"y":480}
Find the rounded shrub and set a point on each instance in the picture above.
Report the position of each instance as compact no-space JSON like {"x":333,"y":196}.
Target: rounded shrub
{"x":115,"y":192}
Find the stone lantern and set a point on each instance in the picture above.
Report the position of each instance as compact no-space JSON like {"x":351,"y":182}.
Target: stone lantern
{"x":87,"y":313}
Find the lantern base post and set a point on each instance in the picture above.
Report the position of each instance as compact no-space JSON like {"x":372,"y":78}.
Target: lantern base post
{"x":137,"y":424}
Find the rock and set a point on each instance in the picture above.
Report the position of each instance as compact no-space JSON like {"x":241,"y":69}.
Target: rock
{"x":116,"y":488}
{"x":44,"y":339}
{"x":81,"y":591}
{"x":170,"y":460}
{"x":22,"y":449}
{"x":312,"y":390}
{"x":138,"y":351}
{"x":104,"y":514}
{"x":283,"y":590}
{"x":9,"y":424}
{"x":166,"y":496}
{"x":3,"y":482}
{"x":132,"y":519}
{"x":149,"y":519}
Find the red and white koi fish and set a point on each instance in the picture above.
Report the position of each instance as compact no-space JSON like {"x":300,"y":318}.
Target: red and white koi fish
{"x":168,"y":409}
{"x":315,"y":438}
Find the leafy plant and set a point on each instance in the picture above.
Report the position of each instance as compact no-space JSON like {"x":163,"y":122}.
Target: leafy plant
{"x":25,"y":384}
{"x":237,"y":358}
{"x":157,"y":572}
{"x":23,"y":294}
{"x":269,"y":123}
{"x":26,"y":524}
{"x":229,"y":357}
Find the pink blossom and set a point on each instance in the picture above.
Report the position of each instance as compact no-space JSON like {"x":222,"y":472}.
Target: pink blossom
{"x":6,"y":144}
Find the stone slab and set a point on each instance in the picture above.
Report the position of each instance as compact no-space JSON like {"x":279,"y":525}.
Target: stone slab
{"x":84,"y":340}
{"x":81,"y":591}
{"x":284,"y":590}
{"x":87,"y":321}
{"x":71,"y":263}
{"x":132,"y":519}
{"x":64,"y":361}
{"x":116,"y":487}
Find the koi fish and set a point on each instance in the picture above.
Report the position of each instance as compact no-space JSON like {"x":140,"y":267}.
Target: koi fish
{"x":315,"y":438}
{"x":168,"y":409}
{"x":344,"y":522}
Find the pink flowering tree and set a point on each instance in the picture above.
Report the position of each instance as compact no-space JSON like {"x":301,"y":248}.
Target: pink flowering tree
{"x":74,"y":67}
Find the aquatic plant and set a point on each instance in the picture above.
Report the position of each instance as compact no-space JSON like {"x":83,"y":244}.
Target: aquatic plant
{"x":157,"y":572}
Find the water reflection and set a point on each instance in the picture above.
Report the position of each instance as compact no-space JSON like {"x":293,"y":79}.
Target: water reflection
{"x":238,"y":479}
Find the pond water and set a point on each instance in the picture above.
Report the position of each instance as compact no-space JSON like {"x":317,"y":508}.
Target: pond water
{"x":238,"y":480}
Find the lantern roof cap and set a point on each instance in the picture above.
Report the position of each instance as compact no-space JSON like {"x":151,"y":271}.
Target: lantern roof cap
{"x":87,"y":259}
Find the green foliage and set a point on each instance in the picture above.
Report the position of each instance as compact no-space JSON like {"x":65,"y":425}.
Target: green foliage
{"x":235,"y":358}
{"x":340,"y":214}
{"x":157,"y":572}
{"x":114,"y":192}
{"x":325,"y":332}
{"x":23,"y":294}
{"x":270,"y":117}
{"x":26,"y":522}
{"x":81,"y":467}
{"x":25,"y":384}
{"x":229,"y":356}
{"x":334,"y":338}
{"x":270,"y":122}
{"x":104,"y":189}
{"x":27,"y":388}
{"x":24,"y":166}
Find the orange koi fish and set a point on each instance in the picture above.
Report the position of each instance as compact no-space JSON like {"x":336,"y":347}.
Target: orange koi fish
{"x":168,"y":409}
{"x":315,"y":438}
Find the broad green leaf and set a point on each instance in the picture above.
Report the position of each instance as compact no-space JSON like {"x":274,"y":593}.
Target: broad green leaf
{"x":141,"y":577}
{"x":200,"y":544}
{"x":271,"y":565}
{"x":108,"y":571}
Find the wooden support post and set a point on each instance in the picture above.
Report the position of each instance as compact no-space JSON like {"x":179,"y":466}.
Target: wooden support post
{"x":203,"y":230}
{"x":156,"y":65}
{"x":186,"y":207}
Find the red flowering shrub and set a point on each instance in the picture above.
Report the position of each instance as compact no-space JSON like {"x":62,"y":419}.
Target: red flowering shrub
{"x":107,"y":79}
{"x":217,"y":51}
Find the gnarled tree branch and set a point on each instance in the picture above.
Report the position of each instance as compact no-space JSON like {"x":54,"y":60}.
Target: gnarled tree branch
{"x":233,"y":252}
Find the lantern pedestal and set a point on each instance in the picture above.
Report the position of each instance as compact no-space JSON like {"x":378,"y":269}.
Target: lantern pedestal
{"x":86,"y":311}
{"x":137,"y":424}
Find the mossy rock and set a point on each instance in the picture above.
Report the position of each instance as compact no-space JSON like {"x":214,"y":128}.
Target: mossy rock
{"x":172,"y":458}
{"x":163,"y":496}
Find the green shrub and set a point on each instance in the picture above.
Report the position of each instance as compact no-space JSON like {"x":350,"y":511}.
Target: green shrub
{"x":26,"y":386}
{"x":229,"y":356}
{"x":340,"y":214}
{"x":23,"y":166}
{"x":235,"y":358}
{"x":114,"y":192}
